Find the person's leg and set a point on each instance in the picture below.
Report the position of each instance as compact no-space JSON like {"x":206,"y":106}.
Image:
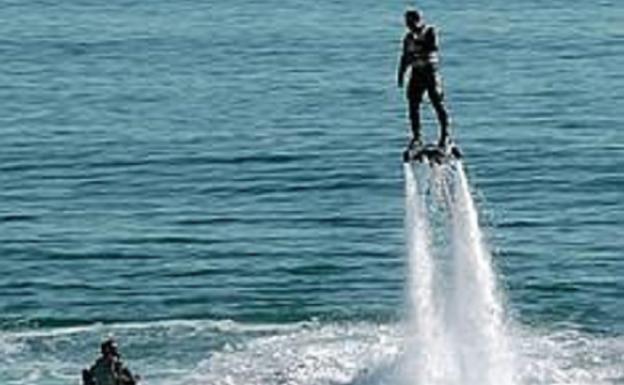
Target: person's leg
{"x":436,"y":95}
{"x":415,"y":92}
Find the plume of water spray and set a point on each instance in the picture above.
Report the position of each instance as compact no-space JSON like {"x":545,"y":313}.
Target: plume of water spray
{"x":427,"y":335}
{"x":457,"y":331}
{"x":479,"y":330}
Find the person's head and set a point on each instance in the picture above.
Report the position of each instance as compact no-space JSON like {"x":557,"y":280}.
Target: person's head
{"x":109,"y":348}
{"x":413,"y":18}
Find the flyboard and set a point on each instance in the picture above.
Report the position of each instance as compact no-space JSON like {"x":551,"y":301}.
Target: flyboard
{"x":432,"y":153}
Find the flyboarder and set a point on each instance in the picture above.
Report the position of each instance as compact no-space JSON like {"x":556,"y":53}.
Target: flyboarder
{"x":108,"y":368}
{"x":420,"y":54}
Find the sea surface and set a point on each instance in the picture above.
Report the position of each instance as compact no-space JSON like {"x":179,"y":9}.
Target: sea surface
{"x":218,"y":184}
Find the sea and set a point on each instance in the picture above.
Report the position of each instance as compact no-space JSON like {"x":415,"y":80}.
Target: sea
{"x":218,"y":185}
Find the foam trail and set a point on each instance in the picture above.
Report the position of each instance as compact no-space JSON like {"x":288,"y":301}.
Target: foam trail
{"x":426,"y":344}
{"x":478,"y":321}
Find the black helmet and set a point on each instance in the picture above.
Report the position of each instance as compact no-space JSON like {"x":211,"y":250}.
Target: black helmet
{"x":412,"y":16}
{"x":109,"y":346}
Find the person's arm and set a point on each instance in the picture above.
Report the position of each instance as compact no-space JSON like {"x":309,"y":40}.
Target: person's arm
{"x":402,"y":64}
{"x":87,"y":377}
{"x":431,"y":39}
{"x":124,"y":376}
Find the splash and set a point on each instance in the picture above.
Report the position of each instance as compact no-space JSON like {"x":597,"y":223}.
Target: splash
{"x":226,"y":352}
{"x":457,"y":318}
{"x":426,"y":328}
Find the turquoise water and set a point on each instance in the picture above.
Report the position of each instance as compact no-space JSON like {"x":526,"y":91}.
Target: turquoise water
{"x":219,"y":184}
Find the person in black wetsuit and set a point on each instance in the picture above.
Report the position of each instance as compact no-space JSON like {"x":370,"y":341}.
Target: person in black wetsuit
{"x":420,"y":54}
{"x":108,"y":368}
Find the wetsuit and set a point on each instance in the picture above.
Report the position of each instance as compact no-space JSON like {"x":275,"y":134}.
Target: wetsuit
{"x":108,"y":372}
{"x":420,"y":52}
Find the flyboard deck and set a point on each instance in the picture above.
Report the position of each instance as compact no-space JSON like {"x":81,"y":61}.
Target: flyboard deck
{"x":432,"y":153}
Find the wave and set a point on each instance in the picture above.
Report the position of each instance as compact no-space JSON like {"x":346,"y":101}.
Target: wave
{"x":219,"y":352}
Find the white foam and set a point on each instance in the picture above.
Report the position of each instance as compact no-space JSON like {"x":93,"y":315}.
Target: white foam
{"x":308,"y":353}
{"x":332,"y":354}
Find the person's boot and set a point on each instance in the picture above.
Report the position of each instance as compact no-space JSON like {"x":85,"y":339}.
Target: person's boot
{"x":414,"y":143}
